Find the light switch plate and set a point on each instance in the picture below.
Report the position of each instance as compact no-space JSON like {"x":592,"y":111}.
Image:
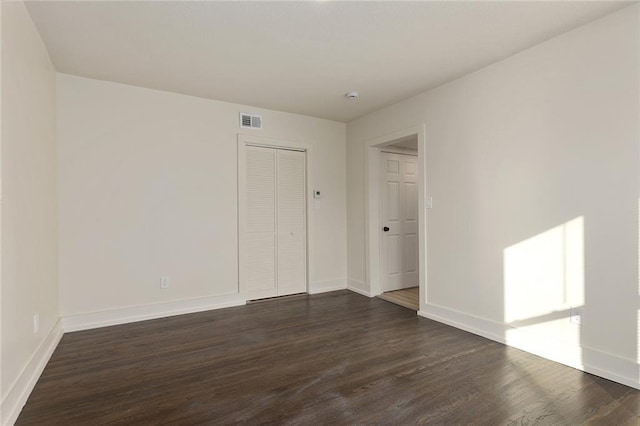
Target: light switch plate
{"x":428,"y":203}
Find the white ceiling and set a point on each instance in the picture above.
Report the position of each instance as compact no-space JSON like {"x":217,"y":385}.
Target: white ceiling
{"x":299,"y":57}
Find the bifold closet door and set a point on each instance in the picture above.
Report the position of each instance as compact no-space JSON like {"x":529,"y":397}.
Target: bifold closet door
{"x":276,"y":226}
{"x":260,"y":228}
{"x":291,"y":243}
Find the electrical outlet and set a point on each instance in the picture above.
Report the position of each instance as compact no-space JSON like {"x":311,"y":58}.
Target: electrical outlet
{"x":36,"y":322}
{"x":164,"y":282}
{"x":577,"y":315}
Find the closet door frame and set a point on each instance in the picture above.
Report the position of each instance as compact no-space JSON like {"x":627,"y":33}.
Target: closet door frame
{"x":245,"y":140}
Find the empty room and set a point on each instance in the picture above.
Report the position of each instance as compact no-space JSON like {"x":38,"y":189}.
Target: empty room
{"x":319,"y":212}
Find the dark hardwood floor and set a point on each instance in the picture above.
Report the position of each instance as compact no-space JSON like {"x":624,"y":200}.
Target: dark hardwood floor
{"x":333,"y":358}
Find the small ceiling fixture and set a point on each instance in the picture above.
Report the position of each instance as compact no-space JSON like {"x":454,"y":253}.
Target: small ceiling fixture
{"x":352,"y":96}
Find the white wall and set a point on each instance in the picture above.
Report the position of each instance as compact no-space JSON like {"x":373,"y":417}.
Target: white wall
{"x":29,"y":278}
{"x":517,"y":149}
{"x":147,"y":184}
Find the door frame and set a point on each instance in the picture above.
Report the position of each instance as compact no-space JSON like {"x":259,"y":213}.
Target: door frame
{"x":373,"y":231}
{"x":383,"y":247}
{"x":245,"y":140}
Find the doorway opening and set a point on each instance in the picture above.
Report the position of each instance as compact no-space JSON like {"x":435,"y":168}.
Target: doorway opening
{"x":399,"y":216}
{"x":396,"y":241}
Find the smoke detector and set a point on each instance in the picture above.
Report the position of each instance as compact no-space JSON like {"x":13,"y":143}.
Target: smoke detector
{"x":352,"y":96}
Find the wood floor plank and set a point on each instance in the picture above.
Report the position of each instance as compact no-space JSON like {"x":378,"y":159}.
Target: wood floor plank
{"x":408,"y":297}
{"x":333,"y":358}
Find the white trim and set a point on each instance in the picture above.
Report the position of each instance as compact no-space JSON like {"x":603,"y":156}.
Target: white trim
{"x":372,"y":152}
{"x":272,"y":146}
{"x":359,"y":287}
{"x":401,"y":151}
{"x":21,"y":388}
{"x":146,"y":312}
{"x":422,"y":215}
{"x":326,"y":286}
{"x":372,"y":219}
{"x":243,"y":141}
{"x":482,"y":327}
{"x":609,"y":366}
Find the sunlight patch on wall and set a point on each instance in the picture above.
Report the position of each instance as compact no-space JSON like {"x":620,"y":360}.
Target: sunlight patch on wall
{"x":543,"y":288}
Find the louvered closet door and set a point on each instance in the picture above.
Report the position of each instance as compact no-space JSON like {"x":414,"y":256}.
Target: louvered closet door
{"x":276,"y":225}
{"x":291,"y":223}
{"x":260,"y":251}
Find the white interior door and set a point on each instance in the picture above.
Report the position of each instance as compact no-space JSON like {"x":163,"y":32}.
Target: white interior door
{"x":275,"y":229}
{"x":399,"y":213}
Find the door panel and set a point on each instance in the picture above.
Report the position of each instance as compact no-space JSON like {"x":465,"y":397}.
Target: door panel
{"x":393,"y":201}
{"x":291,"y":264}
{"x":291,"y":223}
{"x":394,"y":253}
{"x":399,"y":211}
{"x":261,"y":274}
{"x":411,"y":202}
{"x":261,"y":222}
{"x":410,"y":259}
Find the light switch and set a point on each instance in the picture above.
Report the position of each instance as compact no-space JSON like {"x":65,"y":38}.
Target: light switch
{"x":428,"y":203}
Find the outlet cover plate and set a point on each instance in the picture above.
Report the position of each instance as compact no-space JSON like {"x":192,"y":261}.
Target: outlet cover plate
{"x":164,"y":282}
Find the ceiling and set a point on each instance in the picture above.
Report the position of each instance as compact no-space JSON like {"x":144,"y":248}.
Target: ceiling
{"x":299,"y":57}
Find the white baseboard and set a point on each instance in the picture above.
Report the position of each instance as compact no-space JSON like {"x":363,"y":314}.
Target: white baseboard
{"x":611,"y":367}
{"x":482,"y":327}
{"x":141,"y":313}
{"x":20,"y":390}
{"x":329,"y":285}
{"x":583,"y":358}
{"x":359,"y":287}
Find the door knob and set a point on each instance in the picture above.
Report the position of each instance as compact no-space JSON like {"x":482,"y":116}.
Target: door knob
{"x":385,"y":229}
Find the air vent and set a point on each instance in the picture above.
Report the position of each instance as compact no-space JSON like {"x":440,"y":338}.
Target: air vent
{"x":250,"y":121}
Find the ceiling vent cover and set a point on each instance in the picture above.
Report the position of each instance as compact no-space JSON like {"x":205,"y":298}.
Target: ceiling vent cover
{"x":250,"y":121}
